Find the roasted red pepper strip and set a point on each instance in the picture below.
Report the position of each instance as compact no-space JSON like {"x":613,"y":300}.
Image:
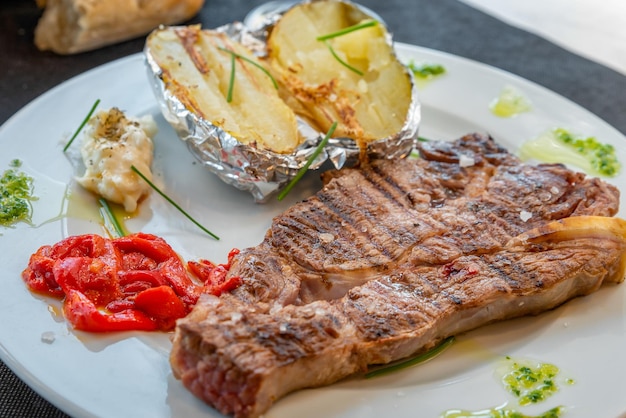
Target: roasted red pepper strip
{"x":226,"y":286}
{"x":134,"y":281}
{"x":149,"y":245}
{"x":214,"y":276}
{"x":169,"y":265}
{"x":85,"y":316}
{"x":103,"y":280}
{"x":137,"y":282}
{"x":90,"y":276}
{"x":39,"y":275}
{"x":162,"y":304}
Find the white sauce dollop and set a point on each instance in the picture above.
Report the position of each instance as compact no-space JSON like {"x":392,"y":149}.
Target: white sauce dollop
{"x":112,"y":143}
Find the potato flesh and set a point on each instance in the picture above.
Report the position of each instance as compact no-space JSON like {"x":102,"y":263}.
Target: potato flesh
{"x":368,"y":107}
{"x":198,"y":73}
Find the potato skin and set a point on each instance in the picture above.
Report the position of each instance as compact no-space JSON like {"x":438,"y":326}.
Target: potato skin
{"x":368,"y":106}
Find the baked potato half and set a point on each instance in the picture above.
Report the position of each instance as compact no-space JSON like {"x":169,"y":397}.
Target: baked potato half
{"x":196,"y":66}
{"x":334,"y":63}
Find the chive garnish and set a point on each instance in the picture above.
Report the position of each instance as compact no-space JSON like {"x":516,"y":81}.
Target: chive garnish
{"x":106,"y":211}
{"x":308,"y":163}
{"x":166,"y":197}
{"x":231,"y":84}
{"x":344,"y":31}
{"x":413,"y":361}
{"x":82,"y":125}
{"x":341,"y":32}
{"x":342,"y":62}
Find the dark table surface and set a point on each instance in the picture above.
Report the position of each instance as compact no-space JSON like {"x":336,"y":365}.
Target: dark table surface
{"x":446,"y":25}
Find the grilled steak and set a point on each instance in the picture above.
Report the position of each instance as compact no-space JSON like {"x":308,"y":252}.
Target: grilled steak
{"x":389,"y":259}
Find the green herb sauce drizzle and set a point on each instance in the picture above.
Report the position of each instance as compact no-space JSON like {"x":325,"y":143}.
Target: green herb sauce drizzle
{"x":501,"y":412}
{"x":426,"y":71}
{"x":530,"y":382}
{"x":561,"y":146}
{"x":16,"y":195}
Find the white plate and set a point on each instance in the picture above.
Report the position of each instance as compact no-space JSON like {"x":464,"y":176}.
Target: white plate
{"x":129,"y":375}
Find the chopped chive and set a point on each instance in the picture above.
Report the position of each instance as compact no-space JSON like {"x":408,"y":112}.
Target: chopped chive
{"x":422,"y":139}
{"x":166,"y":197}
{"x":413,"y":361}
{"x":231,"y":84}
{"x":117,"y":226}
{"x":362,"y":25}
{"x":325,"y":38}
{"x":308,"y":163}
{"x":82,"y":125}
{"x":342,"y":62}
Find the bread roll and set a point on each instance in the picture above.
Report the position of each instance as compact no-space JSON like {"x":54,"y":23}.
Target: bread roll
{"x":72,"y":26}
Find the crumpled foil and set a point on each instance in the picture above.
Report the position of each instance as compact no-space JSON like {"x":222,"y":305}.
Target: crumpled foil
{"x":263,"y":172}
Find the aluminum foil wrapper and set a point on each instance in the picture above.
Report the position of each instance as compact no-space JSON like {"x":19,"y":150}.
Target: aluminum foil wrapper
{"x":263,"y":172}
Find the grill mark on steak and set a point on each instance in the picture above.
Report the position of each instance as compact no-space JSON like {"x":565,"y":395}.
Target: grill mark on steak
{"x":356,"y":225}
{"x":363,"y":218}
{"x":503,"y":268}
{"x":390,"y":189}
{"x":311,"y":311}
